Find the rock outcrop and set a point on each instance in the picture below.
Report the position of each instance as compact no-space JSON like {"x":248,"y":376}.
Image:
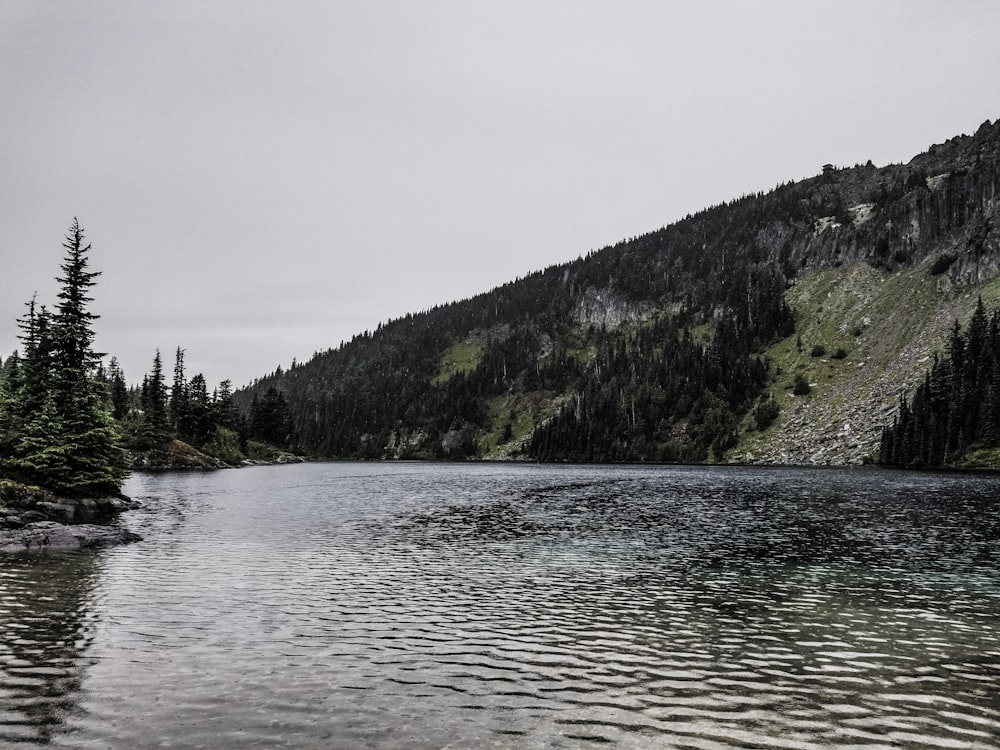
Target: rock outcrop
{"x":34,"y":519}
{"x":22,"y":505}
{"x":50,"y":535}
{"x":174,"y":456}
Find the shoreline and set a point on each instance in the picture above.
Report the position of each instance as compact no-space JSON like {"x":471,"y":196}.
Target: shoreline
{"x":32,"y":518}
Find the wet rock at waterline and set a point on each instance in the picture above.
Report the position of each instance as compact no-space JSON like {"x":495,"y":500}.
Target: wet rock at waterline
{"x":46,"y":535}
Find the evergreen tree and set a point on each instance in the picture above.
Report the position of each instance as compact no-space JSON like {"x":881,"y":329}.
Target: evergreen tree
{"x":270,"y":419}
{"x":118,"y":390}
{"x":956,"y":407}
{"x":178,"y":396}
{"x":155,"y":426}
{"x":224,"y":409}
{"x":198,"y":413}
{"x":27,"y":387}
{"x":58,"y":431}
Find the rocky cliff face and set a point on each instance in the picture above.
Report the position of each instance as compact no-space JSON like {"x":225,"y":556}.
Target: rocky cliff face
{"x":943,"y":202}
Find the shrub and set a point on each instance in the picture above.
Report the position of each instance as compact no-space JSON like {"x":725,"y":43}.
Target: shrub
{"x":765,"y":413}
{"x":224,"y":445}
{"x":818,"y":350}
{"x":840,"y":353}
{"x":801,"y":386}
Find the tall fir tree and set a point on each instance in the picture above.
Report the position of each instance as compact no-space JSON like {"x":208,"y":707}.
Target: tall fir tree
{"x":118,"y":390}
{"x":63,"y":436}
{"x":155,"y":425}
{"x":178,"y":395}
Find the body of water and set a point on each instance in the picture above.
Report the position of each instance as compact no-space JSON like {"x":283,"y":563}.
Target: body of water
{"x":352,"y":605}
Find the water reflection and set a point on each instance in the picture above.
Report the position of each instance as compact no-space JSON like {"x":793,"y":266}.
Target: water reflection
{"x":46,"y":625}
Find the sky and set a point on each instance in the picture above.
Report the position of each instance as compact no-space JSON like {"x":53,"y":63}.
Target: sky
{"x":262,"y":179}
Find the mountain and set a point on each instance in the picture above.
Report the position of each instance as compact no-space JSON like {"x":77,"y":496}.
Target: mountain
{"x":778,"y":327}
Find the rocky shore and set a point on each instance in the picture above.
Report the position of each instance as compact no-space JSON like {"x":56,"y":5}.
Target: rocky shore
{"x":32,"y":518}
{"x":45,"y":535}
{"x":175,"y":455}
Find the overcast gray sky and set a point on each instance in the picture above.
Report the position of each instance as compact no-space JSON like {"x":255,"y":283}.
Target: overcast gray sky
{"x":262,"y":179}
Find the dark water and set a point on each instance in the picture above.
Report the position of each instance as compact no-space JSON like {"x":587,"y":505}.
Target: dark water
{"x":478,"y":606}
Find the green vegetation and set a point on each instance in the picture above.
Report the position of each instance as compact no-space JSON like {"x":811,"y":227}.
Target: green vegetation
{"x":953,"y":418}
{"x":782,"y":324}
{"x":66,"y":420}
{"x":683,"y":344}
{"x":460,"y":358}
{"x":530,"y":379}
{"x":153,"y":416}
{"x":56,"y":429}
{"x":766,"y":411}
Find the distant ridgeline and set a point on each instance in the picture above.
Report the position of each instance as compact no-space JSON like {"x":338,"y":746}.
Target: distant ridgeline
{"x":701,"y":341}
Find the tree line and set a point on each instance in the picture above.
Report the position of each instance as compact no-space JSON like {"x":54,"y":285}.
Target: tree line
{"x":956,"y":409}
{"x":67,"y":421}
{"x":152,"y":413}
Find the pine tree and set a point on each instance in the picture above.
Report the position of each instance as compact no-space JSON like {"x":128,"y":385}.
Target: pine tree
{"x":179,"y":397}
{"x":119,"y":390}
{"x":956,"y":408}
{"x":270,"y":419}
{"x":58,"y":431}
{"x":96,"y":463}
{"x":198,"y":427}
{"x":224,"y":409}
{"x":155,"y":427}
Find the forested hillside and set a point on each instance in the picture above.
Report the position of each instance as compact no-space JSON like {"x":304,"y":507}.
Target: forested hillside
{"x":699,"y":341}
{"x":955,"y":411}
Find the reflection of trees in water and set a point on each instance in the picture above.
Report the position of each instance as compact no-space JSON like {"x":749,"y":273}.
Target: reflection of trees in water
{"x":45,"y":630}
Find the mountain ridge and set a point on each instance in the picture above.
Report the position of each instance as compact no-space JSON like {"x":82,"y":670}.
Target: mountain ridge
{"x":610,"y":343}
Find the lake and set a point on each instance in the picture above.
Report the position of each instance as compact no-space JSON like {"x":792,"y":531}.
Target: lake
{"x":422,"y":605}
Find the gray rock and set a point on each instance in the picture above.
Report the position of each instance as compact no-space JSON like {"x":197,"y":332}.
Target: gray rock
{"x":45,"y":535}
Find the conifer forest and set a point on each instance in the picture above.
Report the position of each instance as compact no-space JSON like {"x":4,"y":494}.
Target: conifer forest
{"x":734,"y":330}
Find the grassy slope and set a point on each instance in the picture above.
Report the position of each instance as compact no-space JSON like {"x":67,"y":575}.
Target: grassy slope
{"x":462,"y":356}
{"x":890,"y":327}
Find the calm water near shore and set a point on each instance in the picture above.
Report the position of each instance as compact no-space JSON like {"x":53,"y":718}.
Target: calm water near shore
{"x":363,"y":605}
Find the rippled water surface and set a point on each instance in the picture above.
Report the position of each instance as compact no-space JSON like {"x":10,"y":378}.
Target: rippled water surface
{"x":509,"y":606}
